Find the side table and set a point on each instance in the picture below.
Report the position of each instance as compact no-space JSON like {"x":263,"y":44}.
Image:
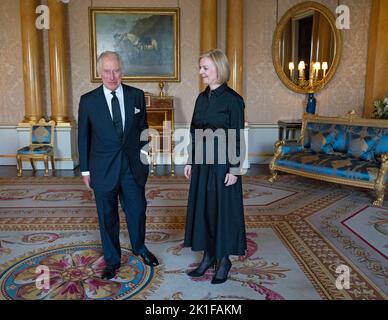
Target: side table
{"x":288,"y":129}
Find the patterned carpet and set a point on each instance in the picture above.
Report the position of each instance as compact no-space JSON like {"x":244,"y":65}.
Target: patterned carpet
{"x":299,"y":232}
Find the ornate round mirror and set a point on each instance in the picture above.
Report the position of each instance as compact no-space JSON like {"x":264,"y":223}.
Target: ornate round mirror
{"x":306,"y":47}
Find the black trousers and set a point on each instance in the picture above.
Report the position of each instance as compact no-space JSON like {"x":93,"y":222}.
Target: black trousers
{"x":133,"y":203}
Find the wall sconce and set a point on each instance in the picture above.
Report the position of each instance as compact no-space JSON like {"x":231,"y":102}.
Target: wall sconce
{"x":313,"y":82}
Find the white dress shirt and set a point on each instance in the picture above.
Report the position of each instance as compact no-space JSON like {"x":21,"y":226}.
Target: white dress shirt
{"x":108,"y":97}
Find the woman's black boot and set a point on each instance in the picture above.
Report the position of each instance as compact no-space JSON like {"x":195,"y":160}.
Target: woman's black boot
{"x":222,"y":271}
{"x":208,"y":261}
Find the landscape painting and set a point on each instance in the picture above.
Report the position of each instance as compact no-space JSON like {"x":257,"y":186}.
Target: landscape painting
{"x":146,"y":39}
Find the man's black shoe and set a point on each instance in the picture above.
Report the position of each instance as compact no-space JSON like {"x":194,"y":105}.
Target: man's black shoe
{"x":148,"y":258}
{"x":109,"y":272}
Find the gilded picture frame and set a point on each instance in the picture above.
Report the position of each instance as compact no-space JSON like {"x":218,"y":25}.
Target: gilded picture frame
{"x":147,"y":39}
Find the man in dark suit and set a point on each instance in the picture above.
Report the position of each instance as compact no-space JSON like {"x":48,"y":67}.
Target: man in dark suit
{"x":110,"y":121}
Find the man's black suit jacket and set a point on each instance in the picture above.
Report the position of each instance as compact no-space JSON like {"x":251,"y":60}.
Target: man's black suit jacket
{"x":100,"y":149}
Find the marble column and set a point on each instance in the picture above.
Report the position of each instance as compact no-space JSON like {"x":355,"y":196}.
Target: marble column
{"x":59,"y":75}
{"x":235,"y":43}
{"x":66,"y":156}
{"x":32,"y":61}
{"x":208,"y":28}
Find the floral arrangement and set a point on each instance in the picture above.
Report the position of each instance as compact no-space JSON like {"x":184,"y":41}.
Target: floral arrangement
{"x":381,"y":108}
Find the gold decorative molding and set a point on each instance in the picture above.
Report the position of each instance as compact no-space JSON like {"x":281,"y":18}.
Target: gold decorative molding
{"x":277,"y":39}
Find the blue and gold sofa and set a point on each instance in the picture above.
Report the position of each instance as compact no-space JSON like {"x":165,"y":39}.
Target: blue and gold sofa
{"x":348,"y":150}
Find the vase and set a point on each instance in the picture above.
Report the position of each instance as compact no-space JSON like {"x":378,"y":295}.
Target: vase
{"x":311,"y":103}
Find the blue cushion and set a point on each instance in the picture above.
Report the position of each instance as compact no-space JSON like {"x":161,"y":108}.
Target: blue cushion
{"x":365,"y":131}
{"x":362,"y":146}
{"x":321,"y":142}
{"x":382,"y":144}
{"x":310,"y":126}
{"x":35,"y":150}
{"x":291,"y":147}
{"x":340,"y":143}
{"x":341,"y":140}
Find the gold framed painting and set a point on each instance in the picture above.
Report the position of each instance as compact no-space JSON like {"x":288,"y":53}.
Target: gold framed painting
{"x":147,"y":39}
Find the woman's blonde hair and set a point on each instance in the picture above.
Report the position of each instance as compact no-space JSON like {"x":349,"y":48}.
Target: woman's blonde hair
{"x":221,"y":62}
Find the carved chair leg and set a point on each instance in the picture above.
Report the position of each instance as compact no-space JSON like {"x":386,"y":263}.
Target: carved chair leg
{"x":278,"y":150}
{"x":172,"y":166}
{"x":152,"y":163}
{"x":153,"y":153}
{"x":274,"y":176}
{"x":172,"y":162}
{"x":380,"y":181}
{"x":32,"y":164}
{"x":19,"y":166}
{"x":46,"y":166}
{"x":52,"y":163}
{"x":380,"y":190}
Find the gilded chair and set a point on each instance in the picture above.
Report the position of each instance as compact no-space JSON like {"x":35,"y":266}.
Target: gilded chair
{"x":41,"y":146}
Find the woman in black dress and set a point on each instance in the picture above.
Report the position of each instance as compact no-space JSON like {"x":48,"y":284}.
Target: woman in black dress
{"x":215,"y":213}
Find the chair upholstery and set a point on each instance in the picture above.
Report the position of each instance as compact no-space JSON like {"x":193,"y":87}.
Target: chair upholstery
{"x":41,"y":146}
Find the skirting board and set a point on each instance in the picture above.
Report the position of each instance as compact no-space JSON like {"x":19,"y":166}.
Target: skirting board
{"x":260,"y":141}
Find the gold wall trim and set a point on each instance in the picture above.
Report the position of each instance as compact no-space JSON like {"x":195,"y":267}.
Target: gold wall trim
{"x":7,"y":155}
{"x":261,"y":154}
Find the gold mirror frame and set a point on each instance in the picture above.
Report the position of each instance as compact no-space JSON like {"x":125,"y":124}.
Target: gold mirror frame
{"x":276,"y":45}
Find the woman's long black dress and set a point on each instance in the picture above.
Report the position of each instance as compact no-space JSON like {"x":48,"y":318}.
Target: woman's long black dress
{"x":215,"y":213}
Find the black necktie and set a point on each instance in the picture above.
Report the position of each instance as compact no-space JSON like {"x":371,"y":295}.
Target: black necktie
{"x":117,"y":120}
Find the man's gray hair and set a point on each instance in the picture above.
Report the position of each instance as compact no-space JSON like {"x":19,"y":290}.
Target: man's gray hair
{"x":107,"y":54}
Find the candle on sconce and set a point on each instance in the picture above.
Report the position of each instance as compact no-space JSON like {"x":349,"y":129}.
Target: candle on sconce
{"x":324,"y":68}
{"x":301,"y":67}
{"x":317,"y":66}
{"x":291,"y":66}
